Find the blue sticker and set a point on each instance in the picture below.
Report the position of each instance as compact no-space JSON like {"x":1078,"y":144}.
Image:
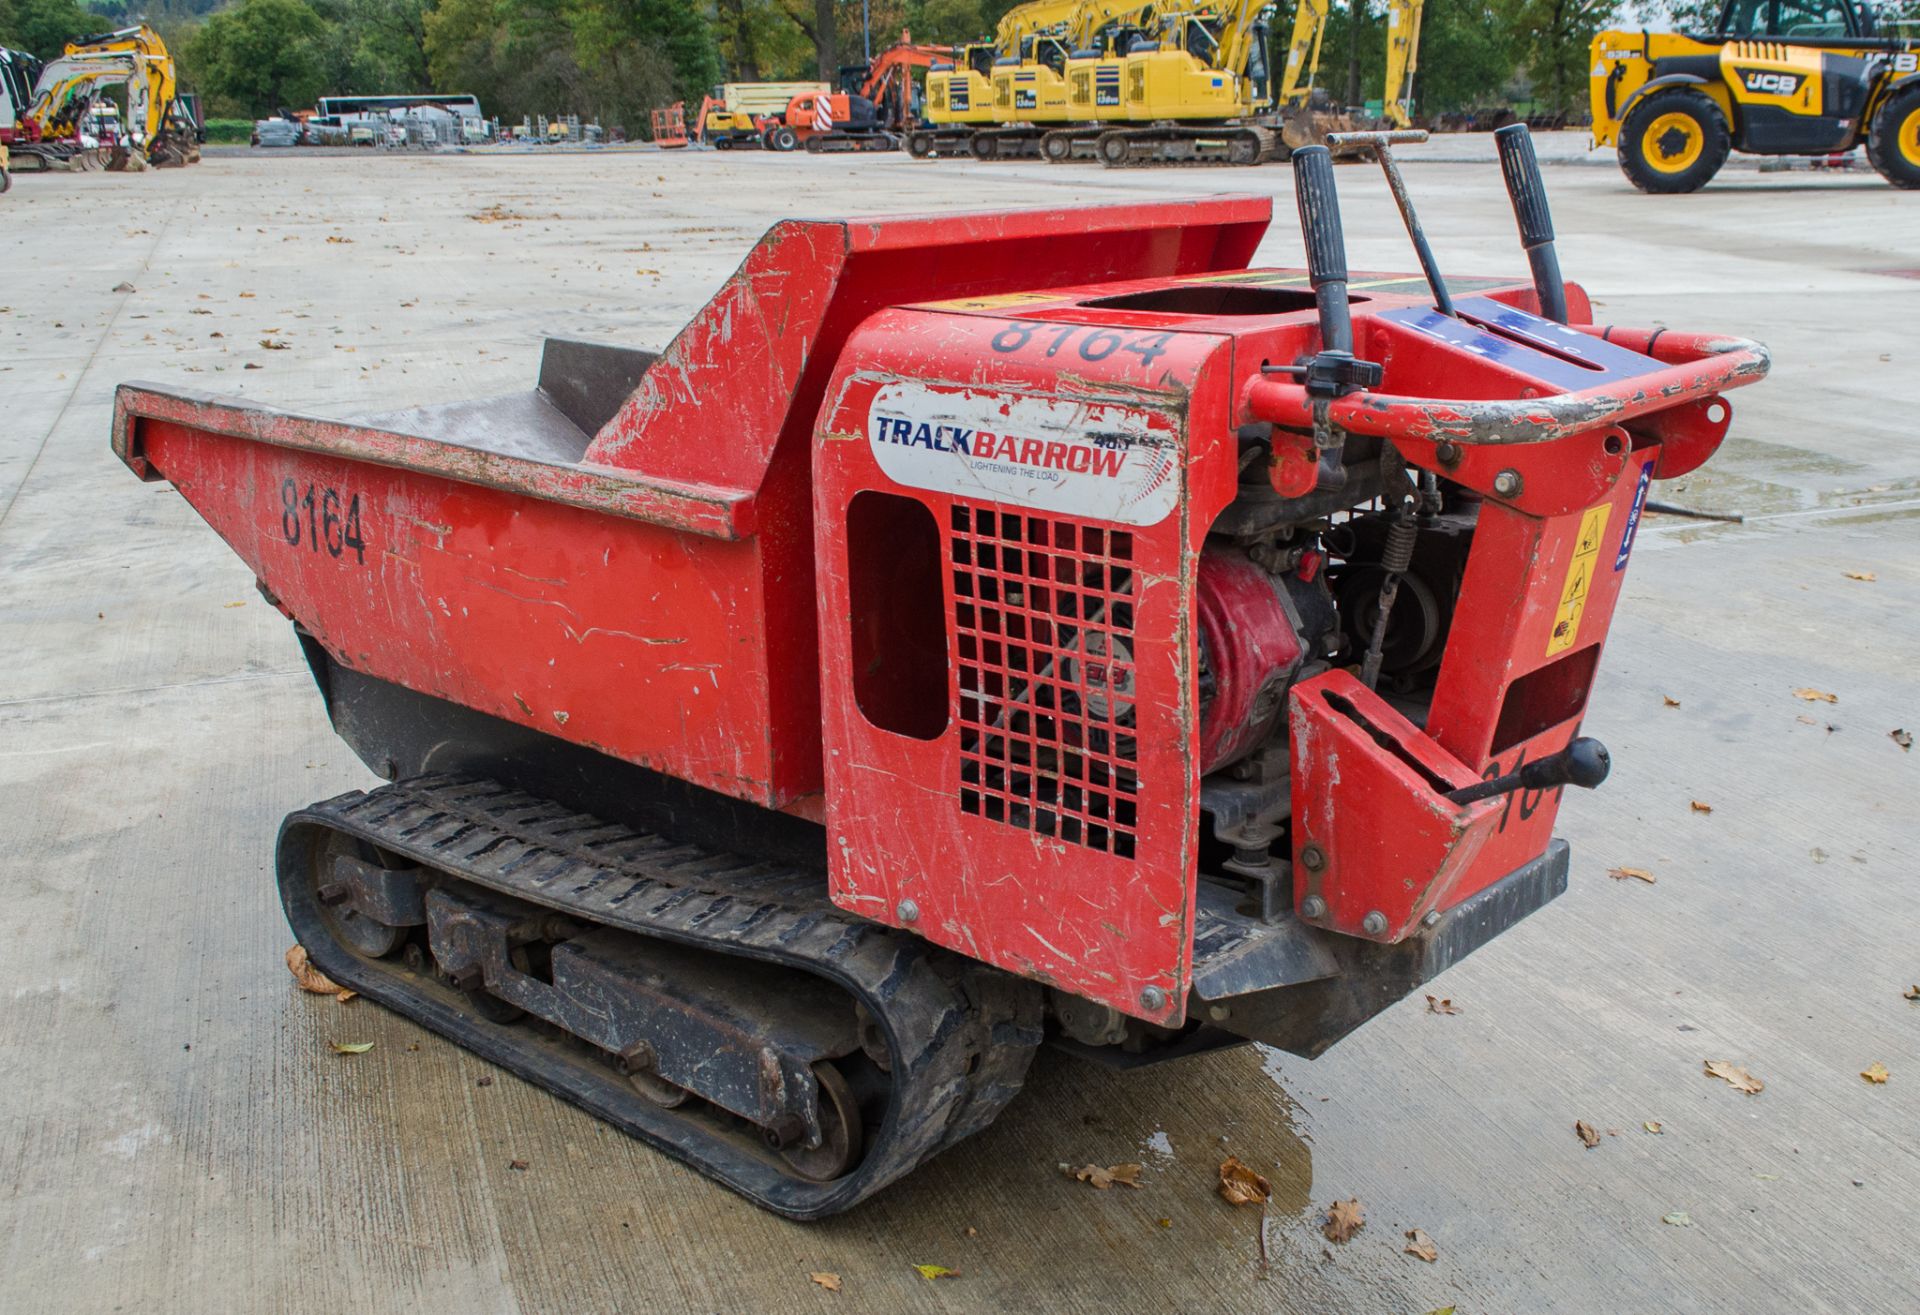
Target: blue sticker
{"x":1633,"y":517}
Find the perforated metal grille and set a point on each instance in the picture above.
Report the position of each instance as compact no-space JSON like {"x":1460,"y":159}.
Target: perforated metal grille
{"x":1043,"y":626}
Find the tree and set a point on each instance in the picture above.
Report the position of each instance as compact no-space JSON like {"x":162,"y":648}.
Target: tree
{"x":42,"y":28}
{"x":261,"y":56}
{"x":1551,"y":38}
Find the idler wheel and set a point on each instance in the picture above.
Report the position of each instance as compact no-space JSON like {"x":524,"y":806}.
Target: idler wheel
{"x":840,"y":1132}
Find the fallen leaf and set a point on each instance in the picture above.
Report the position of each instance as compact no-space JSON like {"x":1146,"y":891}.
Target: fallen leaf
{"x":1699,"y":807}
{"x":306,"y":976}
{"x":973,"y":1232}
{"x":831,"y":1282}
{"x":1767,"y":1177}
{"x":1809,"y":721}
{"x":1652,"y":1126}
{"x":273,"y":344}
{"x":1164,"y":1223}
{"x":1440,"y":1006}
{"x":1443,"y":1310}
{"x":1241,"y":1185}
{"x":1678,"y":1218}
{"x":1868,"y":576}
{"x":1128,"y":1174}
{"x":1344,"y":1219}
{"x":125,"y":287}
{"x":1670,"y":701}
{"x":1738,"y":1078}
{"x":253,"y":365}
{"x":1421,"y":1246}
{"x":241,"y":603}
{"x":1876,"y":1074}
{"x":1911,"y":993}
{"x":519,"y":1166}
{"x":345,"y":994}
{"x":1637,"y":874}
{"x":1816,"y":696}
{"x":343,"y":241}
{"x":1902,"y":738}
{"x":351,"y":1047}
{"x":1588,"y":1137}
{"x":932,"y":1272}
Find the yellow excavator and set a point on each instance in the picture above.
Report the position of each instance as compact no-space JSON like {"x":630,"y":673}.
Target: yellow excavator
{"x":1403,"y":58}
{"x":1068,"y":77}
{"x":47,"y":124}
{"x":960,"y":94}
{"x":1197,"y":91}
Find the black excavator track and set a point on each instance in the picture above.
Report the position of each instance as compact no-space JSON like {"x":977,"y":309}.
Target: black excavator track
{"x":715,"y":1006}
{"x":1180,"y":146}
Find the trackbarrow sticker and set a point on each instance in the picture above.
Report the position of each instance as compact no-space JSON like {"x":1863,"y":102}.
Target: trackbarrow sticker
{"x":1093,"y":460}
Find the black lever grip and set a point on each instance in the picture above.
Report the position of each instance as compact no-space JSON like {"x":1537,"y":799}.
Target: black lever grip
{"x":1326,"y":243}
{"x":1521,"y":169}
{"x":1583,"y":763}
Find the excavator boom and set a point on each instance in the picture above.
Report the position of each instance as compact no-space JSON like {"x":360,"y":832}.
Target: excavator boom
{"x":1403,"y":57}
{"x":1303,"y":52}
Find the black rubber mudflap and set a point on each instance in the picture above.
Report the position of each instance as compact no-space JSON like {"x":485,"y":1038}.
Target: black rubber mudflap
{"x":959,"y":1034}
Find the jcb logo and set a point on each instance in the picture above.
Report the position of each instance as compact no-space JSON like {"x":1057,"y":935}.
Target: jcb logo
{"x":1770,"y":84}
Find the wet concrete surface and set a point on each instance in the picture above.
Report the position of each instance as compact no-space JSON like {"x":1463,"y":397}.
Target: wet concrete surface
{"x":177,"y":1134}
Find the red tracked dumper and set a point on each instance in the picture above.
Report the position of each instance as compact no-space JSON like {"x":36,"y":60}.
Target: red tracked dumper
{"x":970,"y":631}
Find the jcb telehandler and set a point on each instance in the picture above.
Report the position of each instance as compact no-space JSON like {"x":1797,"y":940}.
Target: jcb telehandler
{"x":1774,"y":77}
{"x":971,"y":630}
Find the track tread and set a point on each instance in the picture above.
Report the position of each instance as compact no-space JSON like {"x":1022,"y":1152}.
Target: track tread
{"x":962,"y":1034}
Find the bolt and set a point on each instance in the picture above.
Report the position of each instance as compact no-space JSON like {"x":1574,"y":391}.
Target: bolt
{"x":639,"y":1057}
{"x":1449,"y":454}
{"x":1432,"y":920}
{"x":1313,"y":858}
{"x":1508,"y":484}
{"x":1153,"y":999}
{"x":1374,"y":924}
{"x":1313,"y":908}
{"x":334,"y":892}
{"x":1219,"y":1013}
{"x":907,"y":911}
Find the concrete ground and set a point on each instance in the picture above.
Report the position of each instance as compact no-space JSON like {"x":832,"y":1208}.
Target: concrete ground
{"x":177,"y":1135}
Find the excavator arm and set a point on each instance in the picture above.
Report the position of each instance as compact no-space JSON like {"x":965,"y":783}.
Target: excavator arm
{"x":1093,"y":15}
{"x":1237,"y":34}
{"x":1303,"y":52}
{"x":133,"y":57}
{"x":1030,"y":19}
{"x":1403,"y":57}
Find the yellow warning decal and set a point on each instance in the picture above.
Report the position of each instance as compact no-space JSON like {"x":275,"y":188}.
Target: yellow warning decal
{"x":993,"y":303}
{"x":1573,"y":598}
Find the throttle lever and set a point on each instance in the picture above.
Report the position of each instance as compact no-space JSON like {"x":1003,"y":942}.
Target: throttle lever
{"x":1584,"y":763}
{"x":1333,"y":371}
{"x":1528,"y":192}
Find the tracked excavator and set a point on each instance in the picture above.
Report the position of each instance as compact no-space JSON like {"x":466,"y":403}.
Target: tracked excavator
{"x":1198,"y":92}
{"x":44,"y":124}
{"x":873,"y":110}
{"x":971,"y":632}
{"x":961,"y":91}
{"x":1051,"y":100}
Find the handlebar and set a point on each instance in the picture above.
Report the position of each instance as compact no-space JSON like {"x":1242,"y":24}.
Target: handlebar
{"x":1699,"y":365}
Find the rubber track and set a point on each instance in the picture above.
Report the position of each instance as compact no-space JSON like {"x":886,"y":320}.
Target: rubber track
{"x":1269,"y":152}
{"x":960,"y":1034}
